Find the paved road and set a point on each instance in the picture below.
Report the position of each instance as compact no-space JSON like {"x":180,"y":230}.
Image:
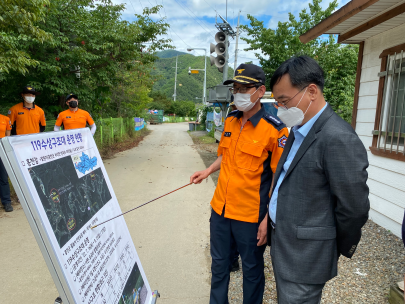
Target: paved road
{"x":171,"y":234}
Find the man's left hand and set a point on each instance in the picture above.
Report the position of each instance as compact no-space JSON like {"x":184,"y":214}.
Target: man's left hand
{"x":262,"y":232}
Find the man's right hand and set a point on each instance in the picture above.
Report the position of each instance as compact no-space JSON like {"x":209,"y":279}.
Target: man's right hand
{"x":199,"y":176}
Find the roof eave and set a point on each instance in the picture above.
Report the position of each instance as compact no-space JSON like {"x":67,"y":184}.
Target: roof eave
{"x":345,"y":12}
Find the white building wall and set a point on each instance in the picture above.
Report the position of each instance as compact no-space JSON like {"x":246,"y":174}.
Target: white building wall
{"x":386,"y":176}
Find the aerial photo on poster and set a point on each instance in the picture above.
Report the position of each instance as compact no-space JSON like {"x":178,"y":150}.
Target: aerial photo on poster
{"x":71,"y":193}
{"x":135,"y":290}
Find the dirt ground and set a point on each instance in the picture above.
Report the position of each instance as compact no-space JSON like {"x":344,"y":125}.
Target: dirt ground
{"x":366,"y":278}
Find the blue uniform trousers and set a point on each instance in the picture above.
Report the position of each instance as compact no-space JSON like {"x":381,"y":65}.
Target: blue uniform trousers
{"x":222,"y":231}
{"x":4,"y":186}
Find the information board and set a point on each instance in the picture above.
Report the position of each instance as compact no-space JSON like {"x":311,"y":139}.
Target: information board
{"x":64,"y":190}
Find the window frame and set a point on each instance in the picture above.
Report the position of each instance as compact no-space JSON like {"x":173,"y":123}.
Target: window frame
{"x":380,"y":99}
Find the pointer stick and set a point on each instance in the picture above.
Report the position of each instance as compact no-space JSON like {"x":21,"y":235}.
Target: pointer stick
{"x":142,"y":205}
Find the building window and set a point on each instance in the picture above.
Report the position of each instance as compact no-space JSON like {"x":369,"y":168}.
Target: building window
{"x":389,"y":128}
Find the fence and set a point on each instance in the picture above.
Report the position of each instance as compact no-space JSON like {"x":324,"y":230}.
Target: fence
{"x":174,"y":119}
{"x":109,"y":130}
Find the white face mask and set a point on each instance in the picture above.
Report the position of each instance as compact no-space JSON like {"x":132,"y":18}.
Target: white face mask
{"x":242,"y":101}
{"x":293,"y":116}
{"x":29,"y":99}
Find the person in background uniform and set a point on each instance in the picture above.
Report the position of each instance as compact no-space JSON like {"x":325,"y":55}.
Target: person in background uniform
{"x":248,"y":153}
{"x":26,"y":117}
{"x":320,"y":198}
{"x":5,"y":130}
{"x":74,"y":118}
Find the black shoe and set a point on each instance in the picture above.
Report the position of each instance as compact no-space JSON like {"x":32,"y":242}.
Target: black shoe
{"x":8,"y":207}
{"x":58,"y":300}
{"x":235,"y":266}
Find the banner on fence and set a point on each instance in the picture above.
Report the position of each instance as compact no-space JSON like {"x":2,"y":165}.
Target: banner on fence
{"x":64,"y":189}
{"x":139,"y":123}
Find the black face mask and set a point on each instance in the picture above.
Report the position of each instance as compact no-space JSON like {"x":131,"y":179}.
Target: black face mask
{"x":73,"y":104}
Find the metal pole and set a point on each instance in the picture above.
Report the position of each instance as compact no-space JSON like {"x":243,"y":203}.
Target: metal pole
{"x":236,"y":45}
{"x":101,"y":131}
{"x":205,"y":78}
{"x":112,"y":130}
{"x":225,"y":72}
{"x":175,"y":80}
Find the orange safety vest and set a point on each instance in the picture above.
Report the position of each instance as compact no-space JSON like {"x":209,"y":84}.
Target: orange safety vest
{"x":250,"y":155}
{"x":74,"y":120}
{"x":5,"y":125}
{"x":26,"y":120}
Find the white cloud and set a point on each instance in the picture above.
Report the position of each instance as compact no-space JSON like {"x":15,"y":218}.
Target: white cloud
{"x":189,"y":19}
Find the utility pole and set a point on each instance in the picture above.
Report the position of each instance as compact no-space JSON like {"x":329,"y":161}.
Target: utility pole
{"x":236,"y":45}
{"x":175,"y":80}
{"x":225,"y":73}
{"x":205,"y":72}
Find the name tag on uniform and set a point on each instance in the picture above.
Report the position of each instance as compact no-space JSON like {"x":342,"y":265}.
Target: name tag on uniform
{"x":68,"y":116}
{"x":20,"y":113}
{"x":227,"y":134}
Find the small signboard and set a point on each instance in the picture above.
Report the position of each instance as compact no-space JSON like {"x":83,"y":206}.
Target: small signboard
{"x":64,"y":189}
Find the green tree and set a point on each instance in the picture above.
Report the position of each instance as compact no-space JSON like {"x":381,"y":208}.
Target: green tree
{"x":19,"y":22}
{"x":339,"y":62}
{"x":91,"y":50}
{"x":160,"y":101}
{"x":183,"y":108}
{"x":130,"y":96}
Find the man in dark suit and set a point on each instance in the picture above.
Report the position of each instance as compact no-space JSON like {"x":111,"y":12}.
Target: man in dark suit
{"x":320,"y":199}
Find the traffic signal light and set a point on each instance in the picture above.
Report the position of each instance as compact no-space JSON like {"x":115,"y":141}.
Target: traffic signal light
{"x":220,"y":49}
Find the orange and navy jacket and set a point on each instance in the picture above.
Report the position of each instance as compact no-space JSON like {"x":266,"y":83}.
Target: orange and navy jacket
{"x":74,"y":120}
{"x":249,"y":158}
{"x":5,"y":125}
{"x":26,"y":120}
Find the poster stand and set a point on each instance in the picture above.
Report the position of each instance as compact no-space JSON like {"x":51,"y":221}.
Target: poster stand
{"x":106,"y":259}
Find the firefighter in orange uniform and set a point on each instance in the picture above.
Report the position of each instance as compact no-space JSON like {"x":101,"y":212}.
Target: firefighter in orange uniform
{"x":74,"y":118}
{"x":248,"y":153}
{"x":26,"y":117}
{"x":5,"y":130}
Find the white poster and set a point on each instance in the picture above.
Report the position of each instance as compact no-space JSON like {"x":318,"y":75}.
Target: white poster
{"x":71,"y":192}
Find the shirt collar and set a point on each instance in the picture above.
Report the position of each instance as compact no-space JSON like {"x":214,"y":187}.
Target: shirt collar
{"x":256,"y":118}
{"x":304,"y":130}
{"x":33,"y":106}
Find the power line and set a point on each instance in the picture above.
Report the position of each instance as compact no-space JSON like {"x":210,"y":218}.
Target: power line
{"x":210,"y":6}
{"x":167,"y":20}
{"x":141,"y":4}
{"x":193,"y":17}
{"x":202,"y":20}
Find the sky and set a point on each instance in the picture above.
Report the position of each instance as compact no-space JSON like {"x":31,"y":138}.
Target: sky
{"x":192,"y":22}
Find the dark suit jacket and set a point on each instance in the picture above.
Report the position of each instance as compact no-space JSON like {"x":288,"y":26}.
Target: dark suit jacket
{"x":322,"y":202}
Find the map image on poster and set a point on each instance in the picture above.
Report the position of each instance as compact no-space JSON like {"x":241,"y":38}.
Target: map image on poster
{"x":69,"y":201}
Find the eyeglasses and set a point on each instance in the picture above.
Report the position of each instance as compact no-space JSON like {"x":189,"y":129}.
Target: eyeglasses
{"x":240,"y":89}
{"x":284,"y":104}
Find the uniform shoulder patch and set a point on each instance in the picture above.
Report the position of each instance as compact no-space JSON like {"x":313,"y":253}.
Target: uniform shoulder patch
{"x":277,"y":123}
{"x":9,"y":112}
{"x":233,"y":113}
{"x":282,"y":141}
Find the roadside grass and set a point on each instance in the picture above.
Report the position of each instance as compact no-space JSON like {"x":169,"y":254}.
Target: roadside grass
{"x":128,"y":142}
{"x":205,"y":139}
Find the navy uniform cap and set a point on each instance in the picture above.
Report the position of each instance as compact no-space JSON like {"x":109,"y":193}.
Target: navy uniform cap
{"x":29,"y":90}
{"x":71,"y":96}
{"x":248,"y":74}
